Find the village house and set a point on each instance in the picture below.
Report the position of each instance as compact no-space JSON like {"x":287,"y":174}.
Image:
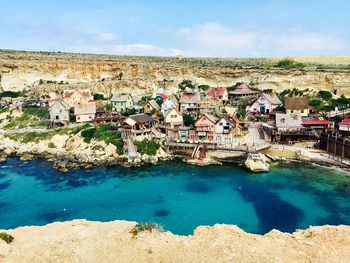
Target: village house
{"x":265,"y":104}
{"x":74,"y":97}
{"x":242,"y":91}
{"x":169,"y":103}
{"x":316,"y":124}
{"x":227,"y":131}
{"x":205,"y":127}
{"x":151,"y":107}
{"x":138,"y":125}
{"x":85,"y":112}
{"x":58,"y":111}
{"x":210,"y":105}
{"x":288,"y":122}
{"x":219,"y":93}
{"x":344,"y":126}
{"x":297,"y":105}
{"x":189,"y":102}
{"x":173,"y":118}
{"x":121,"y":102}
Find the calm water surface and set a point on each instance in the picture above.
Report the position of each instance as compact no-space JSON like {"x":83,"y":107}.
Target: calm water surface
{"x":178,"y":196}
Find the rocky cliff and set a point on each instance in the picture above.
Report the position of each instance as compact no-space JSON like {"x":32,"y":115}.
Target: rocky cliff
{"x":42,"y":72}
{"x":85,"y":241}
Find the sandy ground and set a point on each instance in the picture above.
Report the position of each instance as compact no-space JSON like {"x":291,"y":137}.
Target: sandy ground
{"x":85,"y":241}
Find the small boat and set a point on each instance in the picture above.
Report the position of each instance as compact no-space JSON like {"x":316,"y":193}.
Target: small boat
{"x":256,"y":163}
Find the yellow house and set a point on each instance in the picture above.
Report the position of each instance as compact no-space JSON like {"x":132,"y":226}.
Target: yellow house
{"x":297,"y":105}
{"x":173,"y":118}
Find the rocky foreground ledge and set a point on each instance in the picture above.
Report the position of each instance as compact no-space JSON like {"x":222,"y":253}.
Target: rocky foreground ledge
{"x":86,"y":241}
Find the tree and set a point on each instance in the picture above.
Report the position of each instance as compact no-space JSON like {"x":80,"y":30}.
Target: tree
{"x":98,"y":96}
{"x":325,"y":95}
{"x":203,"y":87}
{"x":289,"y":64}
{"x":188,"y":119}
{"x":243,"y":103}
{"x":186,"y":84}
{"x":242,"y":114}
{"x":144,"y":100}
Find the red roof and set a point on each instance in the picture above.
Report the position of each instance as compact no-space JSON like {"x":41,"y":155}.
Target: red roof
{"x":346,"y":121}
{"x":163,"y":96}
{"x":242,"y":90}
{"x":216,"y":92}
{"x":315,"y":122}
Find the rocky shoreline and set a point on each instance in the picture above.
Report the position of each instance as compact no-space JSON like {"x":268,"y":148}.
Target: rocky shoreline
{"x":73,"y":153}
{"x":116,"y":241}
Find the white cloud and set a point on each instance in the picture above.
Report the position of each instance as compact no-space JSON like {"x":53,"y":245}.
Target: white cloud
{"x":210,"y":38}
{"x":128,"y":49}
{"x":107,"y":37}
{"x":214,"y":39}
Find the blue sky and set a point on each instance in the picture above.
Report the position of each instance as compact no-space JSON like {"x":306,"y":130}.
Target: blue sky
{"x":255,"y":28}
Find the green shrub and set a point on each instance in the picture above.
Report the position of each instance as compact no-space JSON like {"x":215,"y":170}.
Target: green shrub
{"x":149,"y":147}
{"x":98,"y":96}
{"x":6,"y":237}
{"x":289,"y":64}
{"x":140,"y":227}
{"x":103,"y":133}
{"x":51,"y":145}
{"x":188,"y":119}
{"x":11,"y":94}
{"x":325,"y":95}
{"x":186,"y":84}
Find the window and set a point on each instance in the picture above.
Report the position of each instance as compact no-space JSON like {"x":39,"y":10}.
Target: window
{"x":302,"y":111}
{"x":221,"y":124}
{"x":291,"y":111}
{"x":283,"y":120}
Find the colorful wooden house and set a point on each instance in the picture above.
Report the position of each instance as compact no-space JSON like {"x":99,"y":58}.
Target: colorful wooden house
{"x":151,"y":107}
{"x":85,"y":111}
{"x":297,"y":105}
{"x":189,"y":102}
{"x":205,"y":127}
{"x":169,"y":103}
{"x":227,"y":131}
{"x":265,"y":104}
{"x":210,"y":105}
{"x":219,"y":93}
{"x":122,"y":101}
{"x":74,"y":97}
{"x":173,"y":118}
{"x":59,"y":111}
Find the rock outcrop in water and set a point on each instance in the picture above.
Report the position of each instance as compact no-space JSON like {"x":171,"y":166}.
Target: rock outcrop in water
{"x":85,"y":241}
{"x":44,"y":72}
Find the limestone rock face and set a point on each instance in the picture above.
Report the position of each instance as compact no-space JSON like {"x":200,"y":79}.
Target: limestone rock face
{"x":42,"y":73}
{"x":59,"y":140}
{"x":86,"y":241}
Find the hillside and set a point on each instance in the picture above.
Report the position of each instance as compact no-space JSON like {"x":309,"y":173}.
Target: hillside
{"x":44,"y":71}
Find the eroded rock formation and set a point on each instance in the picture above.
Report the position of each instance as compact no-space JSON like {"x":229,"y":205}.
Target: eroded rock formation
{"x":85,"y":241}
{"x":106,"y":74}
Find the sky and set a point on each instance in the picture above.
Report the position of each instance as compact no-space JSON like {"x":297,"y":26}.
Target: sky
{"x":206,"y":28}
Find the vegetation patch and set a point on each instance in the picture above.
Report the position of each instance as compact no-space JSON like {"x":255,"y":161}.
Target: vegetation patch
{"x":289,"y":64}
{"x":31,"y":117}
{"x":103,"y":133}
{"x":140,"y":227}
{"x":37,"y":137}
{"x":11,"y":94}
{"x":6,"y":237}
{"x":149,"y":147}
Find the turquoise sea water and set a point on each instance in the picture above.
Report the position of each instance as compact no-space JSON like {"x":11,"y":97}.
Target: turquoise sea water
{"x":178,"y":196}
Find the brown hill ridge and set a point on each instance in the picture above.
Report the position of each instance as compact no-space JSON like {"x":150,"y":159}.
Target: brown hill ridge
{"x":142,"y":75}
{"x":86,"y":241}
